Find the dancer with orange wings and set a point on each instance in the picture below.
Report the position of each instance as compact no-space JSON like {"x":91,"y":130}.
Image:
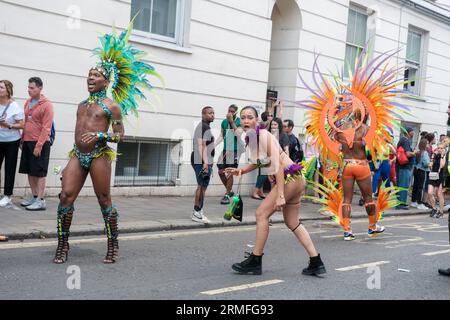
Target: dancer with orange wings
{"x":345,"y":120}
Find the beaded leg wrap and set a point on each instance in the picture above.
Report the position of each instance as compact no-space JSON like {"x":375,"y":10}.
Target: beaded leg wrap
{"x":64,"y":220}
{"x":110,"y":216}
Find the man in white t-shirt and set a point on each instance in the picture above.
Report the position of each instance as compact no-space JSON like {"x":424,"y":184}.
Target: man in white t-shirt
{"x":11,"y":121}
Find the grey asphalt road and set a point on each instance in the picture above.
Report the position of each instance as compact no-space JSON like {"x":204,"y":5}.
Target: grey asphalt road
{"x":195,"y":264}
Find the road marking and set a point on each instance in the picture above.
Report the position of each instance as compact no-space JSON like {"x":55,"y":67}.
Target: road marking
{"x":37,"y":244}
{"x":242,"y":287}
{"x":362,"y":266}
{"x":434,"y":253}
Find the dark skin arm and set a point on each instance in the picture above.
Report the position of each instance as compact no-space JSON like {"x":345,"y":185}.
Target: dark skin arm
{"x":118,"y":128}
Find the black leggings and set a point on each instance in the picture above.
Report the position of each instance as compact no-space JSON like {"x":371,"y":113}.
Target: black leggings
{"x":418,"y":185}
{"x":9,"y":151}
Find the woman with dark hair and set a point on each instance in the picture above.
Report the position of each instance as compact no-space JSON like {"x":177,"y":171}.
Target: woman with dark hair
{"x":11,"y":121}
{"x":436,"y":178}
{"x":276,"y":129}
{"x":420,"y":173}
{"x":265,"y":153}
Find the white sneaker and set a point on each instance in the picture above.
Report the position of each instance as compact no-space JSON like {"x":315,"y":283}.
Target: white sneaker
{"x":28,"y":202}
{"x":198,"y":216}
{"x":422,"y":207}
{"x":6,"y":201}
{"x":414,"y":204}
{"x":38,"y":205}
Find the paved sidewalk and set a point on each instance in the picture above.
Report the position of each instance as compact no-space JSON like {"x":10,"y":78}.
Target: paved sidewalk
{"x":144,"y":214}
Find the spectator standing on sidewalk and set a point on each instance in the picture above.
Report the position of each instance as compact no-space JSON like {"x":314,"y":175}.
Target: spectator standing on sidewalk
{"x":295,"y":148}
{"x":202,"y":160}
{"x":229,"y":134}
{"x":11,"y":121}
{"x":36,"y":143}
{"x":436,"y":179}
{"x":420,"y":173}
{"x":404,"y":171}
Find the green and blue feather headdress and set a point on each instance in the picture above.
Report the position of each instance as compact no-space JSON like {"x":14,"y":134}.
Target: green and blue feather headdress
{"x":122,"y":64}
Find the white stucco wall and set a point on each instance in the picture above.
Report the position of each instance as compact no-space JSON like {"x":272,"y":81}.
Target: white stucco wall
{"x":229,"y":57}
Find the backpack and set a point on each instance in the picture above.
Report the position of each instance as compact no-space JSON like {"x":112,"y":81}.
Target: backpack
{"x":295,"y":149}
{"x":402,"y":158}
{"x":52,"y":133}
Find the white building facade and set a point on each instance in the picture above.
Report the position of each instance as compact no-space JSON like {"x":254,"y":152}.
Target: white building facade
{"x":214,"y":53}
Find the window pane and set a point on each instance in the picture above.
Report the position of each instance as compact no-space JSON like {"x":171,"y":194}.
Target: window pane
{"x":153,"y":159}
{"x":361,"y":29}
{"x":164,"y":17}
{"x":127,"y":159}
{"x":142,"y":21}
{"x":351,"y":52}
{"x":413,"y":46}
{"x":410,"y":74}
{"x":351,"y":26}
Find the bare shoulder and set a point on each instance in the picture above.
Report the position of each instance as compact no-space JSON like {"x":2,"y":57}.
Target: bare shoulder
{"x":112,"y":105}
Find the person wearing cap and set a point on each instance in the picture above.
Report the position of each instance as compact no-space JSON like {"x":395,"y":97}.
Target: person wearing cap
{"x":404,"y":171}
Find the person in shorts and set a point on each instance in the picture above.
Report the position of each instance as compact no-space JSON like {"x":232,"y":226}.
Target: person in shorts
{"x":202,"y":159}
{"x":36,"y":143}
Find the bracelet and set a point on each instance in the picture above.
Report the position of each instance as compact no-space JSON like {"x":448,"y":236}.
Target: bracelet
{"x":113,"y":137}
{"x":101,"y":136}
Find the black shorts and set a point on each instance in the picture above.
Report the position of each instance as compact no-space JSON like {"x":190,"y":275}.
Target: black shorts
{"x":228,"y":159}
{"x":31,"y":165}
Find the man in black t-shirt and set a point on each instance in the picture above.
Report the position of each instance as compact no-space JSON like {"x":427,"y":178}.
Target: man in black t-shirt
{"x":202,"y":160}
{"x":295,"y":148}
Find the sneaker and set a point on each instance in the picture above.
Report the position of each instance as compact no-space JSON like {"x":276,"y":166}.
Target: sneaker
{"x":426,"y":204}
{"x":348,"y":236}
{"x":433,"y":213}
{"x":198,"y":216}
{"x":374,"y":232}
{"x":422,"y":207}
{"x":5,"y":202}
{"x":447,"y":208}
{"x":38,"y":205}
{"x":28,"y":202}
{"x":414,"y":204}
{"x":225,"y":200}
{"x":439,"y":215}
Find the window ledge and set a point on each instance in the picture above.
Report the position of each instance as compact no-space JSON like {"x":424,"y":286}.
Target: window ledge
{"x":160,"y":44}
{"x":415,"y":97}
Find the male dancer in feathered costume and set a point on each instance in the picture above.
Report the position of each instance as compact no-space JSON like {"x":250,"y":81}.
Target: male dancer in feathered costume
{"x":119,"y":64}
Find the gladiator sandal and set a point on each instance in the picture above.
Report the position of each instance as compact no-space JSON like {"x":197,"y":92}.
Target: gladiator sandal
{"x":110,"y":216}
{"x":64,"y":220}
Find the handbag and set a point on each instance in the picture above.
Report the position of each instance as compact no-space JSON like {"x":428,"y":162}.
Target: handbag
{"x":433,"y":176}
{"x":401,"y":156}
{"x":236,"y":206}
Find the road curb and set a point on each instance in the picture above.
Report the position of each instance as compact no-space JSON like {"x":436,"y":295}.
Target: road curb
{"x":187,"y":226}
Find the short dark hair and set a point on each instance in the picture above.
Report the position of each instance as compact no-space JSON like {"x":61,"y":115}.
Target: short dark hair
{"x":235,"y":107}
{"x":264,"y":116}
{"x":442,"y":135}
{"x":289,"y":122}
{"x":206,"y":108}
{"x":423,"y":134}
{"x":37,"y":81}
